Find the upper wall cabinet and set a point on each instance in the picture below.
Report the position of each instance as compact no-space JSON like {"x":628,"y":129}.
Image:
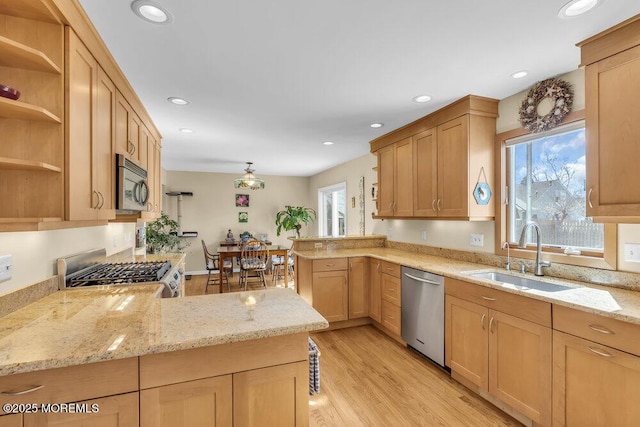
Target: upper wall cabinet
{"x":430,"y":168}
{"x":31,"y":128}
{"x":90,"y":127}
{"x":612,"y":74}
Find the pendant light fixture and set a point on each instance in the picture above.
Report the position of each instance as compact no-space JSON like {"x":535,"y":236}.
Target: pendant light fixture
{"x":249,"y":180}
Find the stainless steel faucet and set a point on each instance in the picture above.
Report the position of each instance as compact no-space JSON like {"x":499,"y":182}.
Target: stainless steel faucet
{"x":507,"y":266}
{"x":523,"y":244}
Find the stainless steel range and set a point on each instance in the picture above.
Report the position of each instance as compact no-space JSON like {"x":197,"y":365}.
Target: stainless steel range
{"x":91,"y":269}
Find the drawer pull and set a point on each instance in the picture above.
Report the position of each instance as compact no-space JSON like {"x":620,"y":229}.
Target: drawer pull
{"x":601,"y":329}
{"x":392,"y":289}
{"x":329,"y":265}
{"x":600,"y":352}
{"x":20,"y":393}
{"x":484,"y":316}
{"x":488,"y":298}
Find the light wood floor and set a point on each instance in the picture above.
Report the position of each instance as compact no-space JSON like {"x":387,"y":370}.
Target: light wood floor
{"x":196,"y":285}
{"x":367,"y":379}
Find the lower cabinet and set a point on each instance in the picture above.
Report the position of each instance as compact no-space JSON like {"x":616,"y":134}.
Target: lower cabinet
{"x":11,"y":420}
{"x":375,"y":301}
{"x":391,"y":297}
{"x":112,"y":411}
{"x":206,"y":402}
{"x":263,"y":382}
{"x":596,"y":370}
{"x":497,"y":352}
{"x":274,"y":396}
{"x":336,"y":287}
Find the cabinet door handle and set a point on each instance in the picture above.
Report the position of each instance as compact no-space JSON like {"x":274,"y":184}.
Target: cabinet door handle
{"x":488,"y":298}
{"x":589,"y":197}
{"x":601,"y":329}
{"x":378,"y":267}
{"x":491,"y":325}
{"x":433,"y":205}
{"x":98,"y":199}
{"x":599,"y":352}
{"x":21,"y":392}
{"x":438,"y":204}
{"x":484,"y":316}
{"x":101,"y":199}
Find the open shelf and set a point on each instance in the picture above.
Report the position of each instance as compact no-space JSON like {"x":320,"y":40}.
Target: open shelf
{"x":19,"y":164}
{"x":11,"y":109}
{"x":30,"y":9}
{"x":17,"y":55}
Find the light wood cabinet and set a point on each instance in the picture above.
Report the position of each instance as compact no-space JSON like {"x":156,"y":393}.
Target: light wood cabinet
{"x":337,"y":287}
{"x":429,"y":168}
{"x":395,"y":179}
{"x":90,"y":162}
{"x":358,"y":287}
{"x":331,"y":294}
{"x":272,"y":397}
{"x":11,"y":420}
{"x":596,"y":369}
{"x":32,"y":148}
{"x":612,"y":61}
{"x":375,"y":290}
{"x":113,"y":411}
{"x":499,"y":353}
{"x":262,"y":382}
{"x":127,"y":130}
{"x":391,"y":297}
{"x":205,"y":402}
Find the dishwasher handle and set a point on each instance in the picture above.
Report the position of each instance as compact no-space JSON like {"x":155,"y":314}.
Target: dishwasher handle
{"x":420,"y":279}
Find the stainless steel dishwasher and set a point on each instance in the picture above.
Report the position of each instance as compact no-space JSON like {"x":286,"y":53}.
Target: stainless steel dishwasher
{"x":423,"y":313}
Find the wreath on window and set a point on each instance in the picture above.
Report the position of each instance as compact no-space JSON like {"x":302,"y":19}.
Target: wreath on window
{"x":559,"y":92}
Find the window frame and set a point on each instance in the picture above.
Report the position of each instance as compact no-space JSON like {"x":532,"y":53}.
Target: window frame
{"x":321,"y":211}
{"x":607,"y":260}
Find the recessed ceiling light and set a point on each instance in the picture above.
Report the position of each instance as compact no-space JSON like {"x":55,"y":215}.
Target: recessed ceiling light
{"x":186,"y":130}
{"x":577,"y":7}
{"x":177,"y":101}
{"x":422,"y":98}
{"x":327,"y":143}
{"x":519,"y":74}
{"x":376,"y":125}
{"x":151,"y":11}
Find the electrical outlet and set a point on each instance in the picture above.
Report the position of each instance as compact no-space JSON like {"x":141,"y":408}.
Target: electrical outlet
{"x":389,"y":232}
{"x":318,"y":245}
{"x":476,"y":239}
{"x":423,"y":235}
{"x":5,"y":267}
{"x":632,"y":252}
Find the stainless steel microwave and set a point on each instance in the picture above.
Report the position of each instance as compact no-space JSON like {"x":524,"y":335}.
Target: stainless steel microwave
{"x":133,"y":189}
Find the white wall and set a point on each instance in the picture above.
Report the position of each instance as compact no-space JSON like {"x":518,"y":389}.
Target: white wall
{"x":211,"y":211}
{"x":35,"y":252}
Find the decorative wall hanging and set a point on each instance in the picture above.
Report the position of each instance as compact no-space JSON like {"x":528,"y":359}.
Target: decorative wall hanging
{"x":361,"y":204}
{"x":482,"y":192}
{"x":243,"y":216}
{"x":560,"y":95}
{"x":242,"y":200}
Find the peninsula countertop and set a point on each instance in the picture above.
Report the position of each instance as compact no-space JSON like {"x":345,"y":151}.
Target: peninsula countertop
{"x":608,"y":301}
{"x":78,"y":326}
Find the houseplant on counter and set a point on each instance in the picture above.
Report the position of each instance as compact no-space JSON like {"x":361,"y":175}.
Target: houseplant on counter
{"x":292,"y":218}
{"x":162,"y":236}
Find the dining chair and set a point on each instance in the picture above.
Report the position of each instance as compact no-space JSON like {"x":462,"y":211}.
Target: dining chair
{"x":212,"y":263}
{"x":277,"y":264}
{"x":253,"y":262}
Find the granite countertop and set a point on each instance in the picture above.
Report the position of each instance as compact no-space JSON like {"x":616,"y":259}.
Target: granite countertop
{"x":82,"y":326}
{"x":607,"y":301}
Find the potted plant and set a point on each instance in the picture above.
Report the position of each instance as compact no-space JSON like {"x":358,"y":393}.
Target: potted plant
{"x":292,"y":218}
{"x":162,"y":236}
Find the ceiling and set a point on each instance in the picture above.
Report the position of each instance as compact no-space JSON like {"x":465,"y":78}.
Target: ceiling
{"x":269,"y":81}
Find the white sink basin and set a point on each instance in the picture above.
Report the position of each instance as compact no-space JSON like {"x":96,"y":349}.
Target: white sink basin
{"x":521,"y":283}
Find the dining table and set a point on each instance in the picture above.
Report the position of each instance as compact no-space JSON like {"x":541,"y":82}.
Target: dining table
{"x":230,"y":252}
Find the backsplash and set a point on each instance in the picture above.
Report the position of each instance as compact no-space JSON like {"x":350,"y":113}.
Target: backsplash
{"x":596,"y":276}
{"x":333,"y":243}
{"x":15,"y":300}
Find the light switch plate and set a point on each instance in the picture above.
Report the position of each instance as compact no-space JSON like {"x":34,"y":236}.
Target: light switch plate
{"x":476,"y":239}
{"x":5,"y":267}
{"x":632,"y":252}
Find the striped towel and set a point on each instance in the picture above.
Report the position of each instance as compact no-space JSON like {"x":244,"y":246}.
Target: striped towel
{"x":314,"y":368}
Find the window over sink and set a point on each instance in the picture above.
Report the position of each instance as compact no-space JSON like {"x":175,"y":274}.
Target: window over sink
{"x":544,"y":182}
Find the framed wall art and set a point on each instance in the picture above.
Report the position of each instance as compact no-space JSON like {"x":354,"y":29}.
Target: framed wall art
{"x":242,"y":200}
{"x":243,"y":216}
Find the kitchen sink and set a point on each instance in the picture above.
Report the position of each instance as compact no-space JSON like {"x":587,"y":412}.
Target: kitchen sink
{"x":521,"y":283}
